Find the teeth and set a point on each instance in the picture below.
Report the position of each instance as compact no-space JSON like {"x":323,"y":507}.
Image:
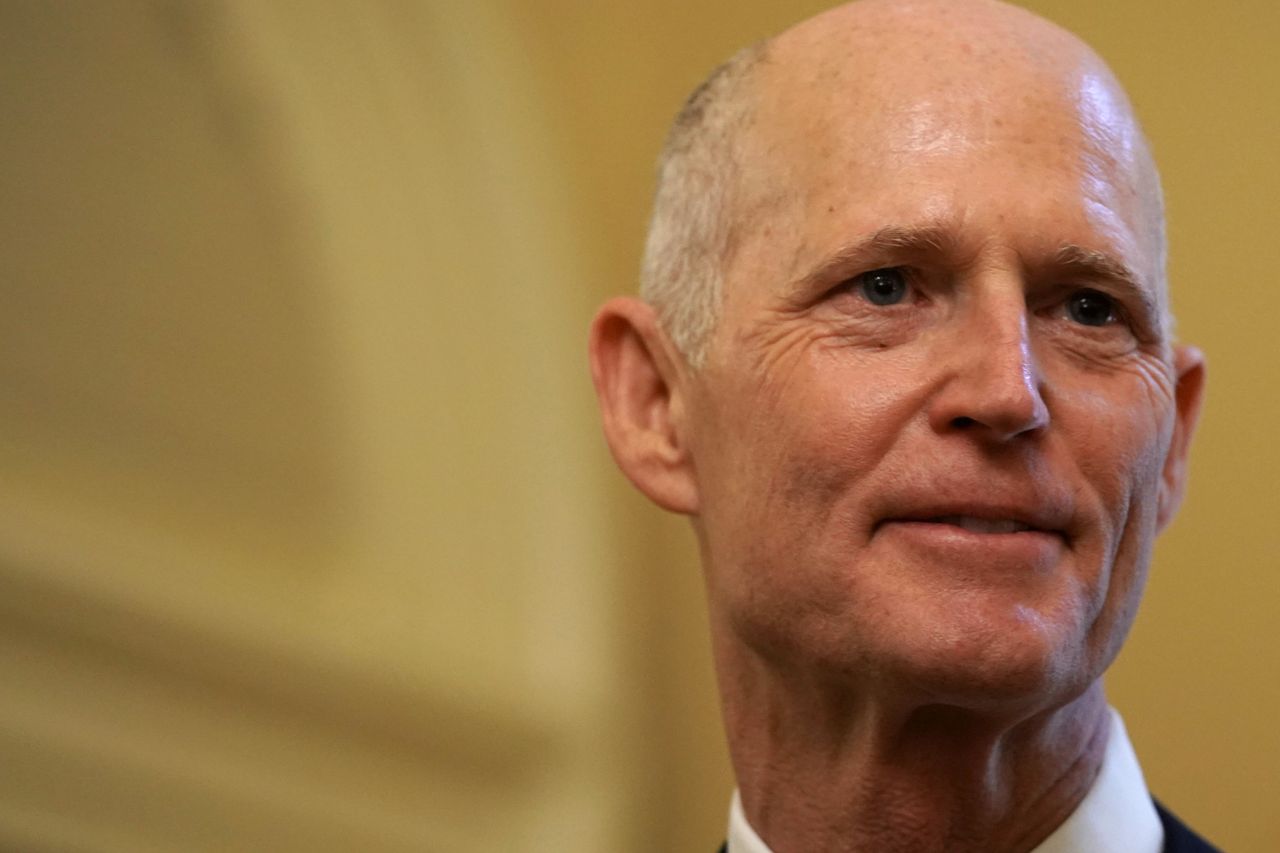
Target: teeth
{"x":984,"y":525}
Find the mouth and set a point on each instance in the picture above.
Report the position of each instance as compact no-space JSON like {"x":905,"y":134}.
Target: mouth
{"x":983,"y":543}
{"x":984,"y":522}
{"x":973,"y":524}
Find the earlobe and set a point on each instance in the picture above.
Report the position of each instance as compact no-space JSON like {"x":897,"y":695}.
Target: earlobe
{"x":637,"y":376}
{"x":1189,"y":375}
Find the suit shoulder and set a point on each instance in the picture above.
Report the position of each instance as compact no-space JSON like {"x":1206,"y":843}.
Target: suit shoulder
{"x":1180,"y":838}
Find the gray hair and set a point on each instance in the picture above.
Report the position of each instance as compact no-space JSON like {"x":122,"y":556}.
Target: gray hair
{"x":691,"y":231}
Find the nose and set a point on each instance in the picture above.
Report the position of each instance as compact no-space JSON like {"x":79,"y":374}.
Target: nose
{"x":990,"y":383}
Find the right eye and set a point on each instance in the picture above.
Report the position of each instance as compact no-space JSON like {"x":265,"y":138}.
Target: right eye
{"x":886,"y":286}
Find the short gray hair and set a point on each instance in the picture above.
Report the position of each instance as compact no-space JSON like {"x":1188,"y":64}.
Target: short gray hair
{"x":691,"y":231}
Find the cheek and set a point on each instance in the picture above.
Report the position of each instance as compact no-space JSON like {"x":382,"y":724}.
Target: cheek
{"x":1119,"y":453}
{"x":790,"y":457}
{"x":806,"y":435}
{"x":1119,"y":442}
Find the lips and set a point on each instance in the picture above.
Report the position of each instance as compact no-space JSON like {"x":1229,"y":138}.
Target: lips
{"x":979,"y":541}
{"x":979,"y":525}
{"x":1007,"y":516}
{"x":983,"y":525}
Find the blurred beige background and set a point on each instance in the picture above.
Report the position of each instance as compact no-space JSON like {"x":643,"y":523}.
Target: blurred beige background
{"x":308,"y":540}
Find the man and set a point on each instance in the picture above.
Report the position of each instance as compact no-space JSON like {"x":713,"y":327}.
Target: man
{"x":905,"y":360}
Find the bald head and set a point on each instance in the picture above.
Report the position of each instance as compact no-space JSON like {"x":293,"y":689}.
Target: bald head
{"x":869,"y":89}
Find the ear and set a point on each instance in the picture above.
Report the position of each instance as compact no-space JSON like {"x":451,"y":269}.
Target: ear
{"x":1189,"y":369}
{"x":638,"y":378}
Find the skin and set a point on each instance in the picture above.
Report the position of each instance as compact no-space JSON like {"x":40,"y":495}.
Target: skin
{"x":892,"y":678}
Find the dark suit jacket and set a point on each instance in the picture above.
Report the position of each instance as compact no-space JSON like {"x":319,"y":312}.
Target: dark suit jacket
{"x":1178,"y":838}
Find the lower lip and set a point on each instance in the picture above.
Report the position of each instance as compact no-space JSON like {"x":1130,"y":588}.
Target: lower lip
{"x":950,"y":543}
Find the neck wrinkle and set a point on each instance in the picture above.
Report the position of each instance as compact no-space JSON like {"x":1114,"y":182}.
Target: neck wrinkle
{"x":860,"y":776}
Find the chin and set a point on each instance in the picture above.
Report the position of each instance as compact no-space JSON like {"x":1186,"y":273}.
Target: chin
{"x":990,"y":669}
{"x":985,"y":666}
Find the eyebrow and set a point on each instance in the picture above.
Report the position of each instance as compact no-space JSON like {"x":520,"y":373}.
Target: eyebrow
{"x":1099,"y":266}
{"x":889,"y":241}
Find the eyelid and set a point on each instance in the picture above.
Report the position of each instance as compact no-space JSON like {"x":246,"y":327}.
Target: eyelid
{"x":853,"y":285}
{"x":909,"y":275}
{"x":1124,"y":316}
{"x":1129,"y":296}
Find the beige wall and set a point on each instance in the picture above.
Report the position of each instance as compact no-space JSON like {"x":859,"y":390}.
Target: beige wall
{"x":308,"y":540}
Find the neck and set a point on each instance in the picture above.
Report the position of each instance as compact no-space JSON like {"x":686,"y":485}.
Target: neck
{"x":823,"y":768}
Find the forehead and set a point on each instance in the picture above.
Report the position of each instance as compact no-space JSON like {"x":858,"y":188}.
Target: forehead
{"x":1037,"y":150}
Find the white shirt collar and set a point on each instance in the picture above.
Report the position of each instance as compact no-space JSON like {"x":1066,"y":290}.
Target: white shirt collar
{"x":1116,"y":816}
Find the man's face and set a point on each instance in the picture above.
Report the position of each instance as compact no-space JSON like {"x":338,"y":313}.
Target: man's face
{"x":932,"y":433}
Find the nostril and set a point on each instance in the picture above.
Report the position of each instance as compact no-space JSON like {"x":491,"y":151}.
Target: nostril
{"x":963,"y":422}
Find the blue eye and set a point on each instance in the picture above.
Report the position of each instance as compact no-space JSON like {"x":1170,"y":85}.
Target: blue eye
{"x":886,"y":286}
{"x":1091,"y":308}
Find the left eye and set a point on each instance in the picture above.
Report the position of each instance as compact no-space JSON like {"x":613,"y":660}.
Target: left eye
{"x":1091,"y":308}
{"x":886,"y":286}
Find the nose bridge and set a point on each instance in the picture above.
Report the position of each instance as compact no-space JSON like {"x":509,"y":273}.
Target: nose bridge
{"x":992,"y":382}
{"x":1004,"y":344}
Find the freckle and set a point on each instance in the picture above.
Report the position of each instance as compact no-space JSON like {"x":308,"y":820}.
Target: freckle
{"x":831,"y":208}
